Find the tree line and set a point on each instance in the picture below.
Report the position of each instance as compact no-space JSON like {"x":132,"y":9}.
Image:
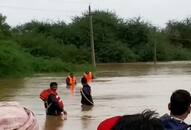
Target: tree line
{"x":56,"y":46}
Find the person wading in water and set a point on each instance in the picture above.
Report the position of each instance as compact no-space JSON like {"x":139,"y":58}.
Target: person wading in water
{"x":86,"y":93}
{"x":89,"y":76}
{"x":71,"y":81}
{"x":52,"y":101}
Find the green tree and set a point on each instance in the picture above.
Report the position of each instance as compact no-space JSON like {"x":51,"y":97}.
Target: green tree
{"x":4,"y":28}
{"x":13,"y":60}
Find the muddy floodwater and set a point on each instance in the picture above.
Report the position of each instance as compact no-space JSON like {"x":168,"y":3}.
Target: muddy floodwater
{"x":118,"y":89}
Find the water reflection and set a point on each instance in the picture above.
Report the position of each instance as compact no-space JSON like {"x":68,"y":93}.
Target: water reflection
{"x":53,"y":123}
{"x":86,"y":108}
{"x":86,"y":117}
{"x":72,"y":90}
{"x":86,"y":121}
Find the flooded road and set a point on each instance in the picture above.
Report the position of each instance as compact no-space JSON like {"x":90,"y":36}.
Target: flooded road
{"x":118,"y":89}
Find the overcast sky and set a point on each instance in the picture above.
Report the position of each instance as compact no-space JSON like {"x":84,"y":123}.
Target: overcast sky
{"x":157,"y":12}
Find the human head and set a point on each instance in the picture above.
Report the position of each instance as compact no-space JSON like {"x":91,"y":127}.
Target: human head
{"x":146,"y":120}
{"x":53,"y":85}
{"x":14,"y":116}
{"x":180,"y":103}
{"x":71,"y":74}
{"x":83,"y":80}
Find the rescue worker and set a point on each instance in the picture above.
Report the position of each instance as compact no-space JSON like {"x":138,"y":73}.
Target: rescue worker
{"x":89,"y":76}
{"x":53,"y":103}
{"x":86,"y":93}
{"x":71,"y":81}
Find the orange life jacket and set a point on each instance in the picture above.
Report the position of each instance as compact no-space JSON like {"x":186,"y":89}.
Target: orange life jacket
{"x":72,"y":80}
{"x":45,"y":93}
{"x":89,"y":77}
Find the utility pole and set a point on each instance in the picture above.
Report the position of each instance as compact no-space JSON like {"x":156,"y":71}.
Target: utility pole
{"x":92,"y":39}
{"x":155,"y":51}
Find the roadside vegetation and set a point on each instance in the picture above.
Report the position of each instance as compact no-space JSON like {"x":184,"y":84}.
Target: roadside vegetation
{"x":37,"y":47}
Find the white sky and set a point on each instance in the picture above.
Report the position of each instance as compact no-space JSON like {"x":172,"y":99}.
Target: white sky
{"x":157,"y":12}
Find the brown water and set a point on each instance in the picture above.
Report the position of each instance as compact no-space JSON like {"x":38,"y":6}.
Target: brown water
{"x":118,"y":89}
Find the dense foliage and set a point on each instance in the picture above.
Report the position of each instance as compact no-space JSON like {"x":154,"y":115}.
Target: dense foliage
{"x":49,"y":47}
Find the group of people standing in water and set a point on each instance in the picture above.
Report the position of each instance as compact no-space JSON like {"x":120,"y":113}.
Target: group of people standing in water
{"x":15,"y":117}
{"x":179,"y":108}
{"x":54,"y":104}
{"x":85,"y":90}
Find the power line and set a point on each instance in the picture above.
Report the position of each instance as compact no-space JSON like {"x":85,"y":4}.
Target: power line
{"x":37,"y":9}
